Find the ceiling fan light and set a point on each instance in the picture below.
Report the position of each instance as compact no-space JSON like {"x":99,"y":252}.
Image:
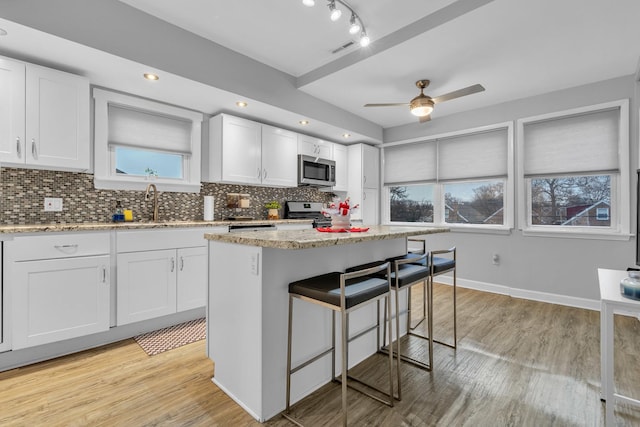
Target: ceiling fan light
{"x":354,"y":27}
{"x":364,"y":39}
{"x":422,"y":111}
{"x":309,"y":3}
{"x":335,"y":12}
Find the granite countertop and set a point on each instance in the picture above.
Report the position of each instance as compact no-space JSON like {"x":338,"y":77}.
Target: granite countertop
{"x":136,"y":225}
{"x":304,"y":239}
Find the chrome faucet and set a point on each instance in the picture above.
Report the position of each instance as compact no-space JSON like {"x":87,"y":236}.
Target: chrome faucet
{"x":155,"y":200}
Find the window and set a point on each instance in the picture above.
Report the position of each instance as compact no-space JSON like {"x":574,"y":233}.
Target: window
{"x":574,"y":178}
{"x":137,"y":140}
{"x":411,"y":203}
{"x":459,"y":179}
{"x":477,"y":202}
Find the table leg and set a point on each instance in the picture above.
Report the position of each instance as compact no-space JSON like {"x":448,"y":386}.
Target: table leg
{"x":608,"y":351}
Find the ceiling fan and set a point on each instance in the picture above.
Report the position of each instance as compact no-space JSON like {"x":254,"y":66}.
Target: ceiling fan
{"x":422,"y":105}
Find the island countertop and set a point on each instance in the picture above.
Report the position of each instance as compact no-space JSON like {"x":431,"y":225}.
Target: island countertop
{"x":312,"y":238}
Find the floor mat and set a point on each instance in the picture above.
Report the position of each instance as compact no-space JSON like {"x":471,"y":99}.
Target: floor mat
{"x":172,"y":337}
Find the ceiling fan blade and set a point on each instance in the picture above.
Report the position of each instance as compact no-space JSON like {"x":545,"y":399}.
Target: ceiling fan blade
{"x":387,"y":105}
{"x":424,"y":119}
{"x":458,"y":93}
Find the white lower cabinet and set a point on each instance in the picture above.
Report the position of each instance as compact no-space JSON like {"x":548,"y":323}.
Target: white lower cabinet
{"x":192,"y":278}
{"x":146,"y":285}
{"x":161,"y":272}
{"x":60,"y":287}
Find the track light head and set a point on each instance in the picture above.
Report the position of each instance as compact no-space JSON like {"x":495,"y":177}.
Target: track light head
{"x":364,"y":39}
{"x":335,"y":12}
{"x":354,"y":26}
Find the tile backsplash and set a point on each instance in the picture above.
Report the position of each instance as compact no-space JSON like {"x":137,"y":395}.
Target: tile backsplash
{"x":22,"y":192}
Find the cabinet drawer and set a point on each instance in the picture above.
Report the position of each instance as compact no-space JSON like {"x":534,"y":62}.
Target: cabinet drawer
{"x":151,"y":240}
{"x":53,"y":246}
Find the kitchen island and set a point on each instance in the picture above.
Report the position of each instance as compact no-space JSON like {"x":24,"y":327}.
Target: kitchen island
{"x":247,"y":310}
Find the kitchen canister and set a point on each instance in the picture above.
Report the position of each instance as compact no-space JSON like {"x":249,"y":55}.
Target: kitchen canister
{"x":630,"y":286}
{"x":208,"y":208}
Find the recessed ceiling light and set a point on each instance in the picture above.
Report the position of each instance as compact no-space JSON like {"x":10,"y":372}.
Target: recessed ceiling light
{"x":304,"y":122}
{"x":346,"y":135}
{"x":241,"y":104}
{"x":3,"y":32}
{"x":151,"y":76}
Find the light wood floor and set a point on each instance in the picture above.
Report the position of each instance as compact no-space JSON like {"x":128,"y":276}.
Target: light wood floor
{"x":518,"y":363}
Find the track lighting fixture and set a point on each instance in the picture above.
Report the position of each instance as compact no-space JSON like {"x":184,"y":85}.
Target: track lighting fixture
{"x":354,"y":27}
{"x":335,"y":12}
{"x":355,"y":23}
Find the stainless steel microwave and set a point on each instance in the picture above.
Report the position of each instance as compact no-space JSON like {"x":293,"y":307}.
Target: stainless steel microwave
{"x":315,"y":171}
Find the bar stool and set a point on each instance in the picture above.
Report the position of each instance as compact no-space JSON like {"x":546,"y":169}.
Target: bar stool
{"x":438,"y":265}
{"x":406,"y":272}
{"x":341,"y":292}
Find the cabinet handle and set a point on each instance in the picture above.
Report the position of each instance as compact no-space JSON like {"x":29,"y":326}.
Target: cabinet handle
{"x":66,"y":248}
{"x":104,"y":274}
{"x":173,"y":264}
{"x":364,"y":179}
{"x":181,"y":263}
{"x":18,"y":150}
{"x":264,"y":174}
{"x":33,"y":148}
{"x":364,"y":196}
{"x":259,"y":173}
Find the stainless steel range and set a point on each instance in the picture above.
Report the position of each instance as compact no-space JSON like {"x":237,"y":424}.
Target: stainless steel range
{"x":306,"y":210}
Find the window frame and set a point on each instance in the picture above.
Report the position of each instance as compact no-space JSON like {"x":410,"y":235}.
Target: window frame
{"x":438,"y":191}
{"x":105,"y":176}
{"x":620,"y":181}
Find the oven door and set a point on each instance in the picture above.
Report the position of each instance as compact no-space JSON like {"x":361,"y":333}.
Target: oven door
{"x":318,"y":172}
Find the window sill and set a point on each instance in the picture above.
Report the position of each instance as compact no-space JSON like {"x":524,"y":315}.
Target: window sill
{"x":457,"y":228}
{"x":162,"y":185}
{"x":577,"y":234}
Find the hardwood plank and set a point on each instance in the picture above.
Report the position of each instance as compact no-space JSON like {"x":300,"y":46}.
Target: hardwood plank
{"x":518,"y":363}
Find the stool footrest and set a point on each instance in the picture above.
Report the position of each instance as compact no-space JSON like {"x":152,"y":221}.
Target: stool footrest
{"x":366,"y":393}
{"x":408,"y":359}
{"x":310,"y":361}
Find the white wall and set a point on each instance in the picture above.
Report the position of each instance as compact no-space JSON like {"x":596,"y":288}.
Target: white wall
{"x":559,"y":270}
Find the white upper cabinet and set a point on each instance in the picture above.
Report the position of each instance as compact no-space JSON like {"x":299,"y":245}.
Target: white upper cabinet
{"x":364,"y":182}
{"x":310,"y":146}
{"x":341,"y":157}
{"x":279,"y":157}
{"x":242,"y":151}
{"x":47,"y":125}
{"x":12,"y":108}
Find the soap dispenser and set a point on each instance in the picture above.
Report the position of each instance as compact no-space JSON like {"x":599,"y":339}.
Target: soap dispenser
{"x":118,"y":216}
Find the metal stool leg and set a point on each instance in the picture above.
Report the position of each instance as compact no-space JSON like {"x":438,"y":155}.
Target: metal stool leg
{"x":289,"y":333}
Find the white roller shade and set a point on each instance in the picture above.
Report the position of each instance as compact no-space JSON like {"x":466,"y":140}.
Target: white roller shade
{"x":477,"y":155}
{"x":142,"y":129}
{"x":410,"y":163}
{"x":577,"y":144}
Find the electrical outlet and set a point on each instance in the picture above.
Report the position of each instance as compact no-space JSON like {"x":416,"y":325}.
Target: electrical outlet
{"x":53,"y":204}
{"x":496,"y":259}
{"x":255,"y":264}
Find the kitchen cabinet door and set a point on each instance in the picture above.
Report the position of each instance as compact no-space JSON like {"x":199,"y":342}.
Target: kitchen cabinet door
{"x":310,"y":146}
{"x":370,"y":206}
{"x":12,"y":120}
{"x":146,"y":285}
{"x":241,"y":150}
{"x":279,"y":157}
{"x":57,"y":117}
{"x":370,"y":167}
{"x":340,"y":156}
{"x":58,"y":299}
{"x":192,"y":278}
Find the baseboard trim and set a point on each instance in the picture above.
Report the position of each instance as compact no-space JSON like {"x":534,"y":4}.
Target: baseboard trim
{"x":547,"y":297}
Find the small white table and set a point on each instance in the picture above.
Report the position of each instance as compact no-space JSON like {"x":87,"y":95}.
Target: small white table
{"x":611,"y":301}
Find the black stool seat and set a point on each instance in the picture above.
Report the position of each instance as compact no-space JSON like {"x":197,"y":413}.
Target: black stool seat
{"x":440,"y":264}
{"x":326,"y":288}
{"x":407,"y":274}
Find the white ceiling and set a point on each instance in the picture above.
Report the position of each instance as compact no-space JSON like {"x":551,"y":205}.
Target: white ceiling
{"x":514,"y":48}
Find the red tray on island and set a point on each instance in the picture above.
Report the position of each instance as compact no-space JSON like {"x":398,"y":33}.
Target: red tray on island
{"x":342,"y":230}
